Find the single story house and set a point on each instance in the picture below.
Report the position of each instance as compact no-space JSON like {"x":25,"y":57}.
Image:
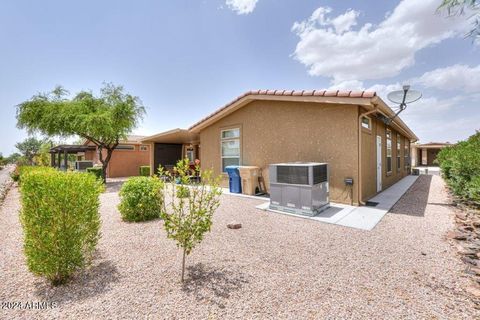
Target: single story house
{"x":126,"y":159}
{"x":346,"y":129}
{"x":425,"y":154}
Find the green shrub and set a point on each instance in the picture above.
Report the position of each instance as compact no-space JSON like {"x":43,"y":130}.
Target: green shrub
{"x":141,"y":199}
{"x":60,"y":220}
{"x":460,"y":166}
{"x":19,"y":171}
{"x":97,"y":171}
{"x":145,"y":171}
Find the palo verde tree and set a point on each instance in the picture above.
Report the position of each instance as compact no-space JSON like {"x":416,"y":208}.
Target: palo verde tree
{"x":469,"y":8}
{"x":104,"y":119}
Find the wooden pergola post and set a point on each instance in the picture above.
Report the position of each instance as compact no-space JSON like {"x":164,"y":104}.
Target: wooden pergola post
{"x":59,"y":159}
{"x":65,"y":160}
{"x":52,"y":159}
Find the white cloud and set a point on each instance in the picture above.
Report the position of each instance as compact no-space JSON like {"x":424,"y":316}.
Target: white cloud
{"x":347,"y":85}
{"x":242,"y":6}
{"x":456,"y":77}
{"x":329,"y":47}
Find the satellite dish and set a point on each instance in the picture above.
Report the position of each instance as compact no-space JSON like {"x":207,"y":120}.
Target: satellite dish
{"x":402,"y":97}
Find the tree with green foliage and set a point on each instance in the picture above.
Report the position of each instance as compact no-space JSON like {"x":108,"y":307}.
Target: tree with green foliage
{"x":13,"y":158}
{"x":461,"y":7}
{"x":192,"y":206}
{"x":104,"y":119}
{"x":29,"y":148}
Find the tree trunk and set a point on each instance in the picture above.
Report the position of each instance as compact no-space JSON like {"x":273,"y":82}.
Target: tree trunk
{"x":183,"y":265}
{"x":106,"y":161}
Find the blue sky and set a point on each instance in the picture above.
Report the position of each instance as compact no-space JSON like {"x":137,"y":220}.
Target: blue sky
{"x":185,"y":59}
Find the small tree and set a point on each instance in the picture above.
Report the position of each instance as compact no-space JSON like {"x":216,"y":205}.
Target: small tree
{"x":29,"y":148}
{"x":192,"y":206}
{"x":104,"y":120}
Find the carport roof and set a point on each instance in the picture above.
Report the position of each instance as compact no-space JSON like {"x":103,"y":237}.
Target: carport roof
{"x":178,"y":135}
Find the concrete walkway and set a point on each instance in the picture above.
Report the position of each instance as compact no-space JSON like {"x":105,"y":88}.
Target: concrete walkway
{"x":365,"y":217}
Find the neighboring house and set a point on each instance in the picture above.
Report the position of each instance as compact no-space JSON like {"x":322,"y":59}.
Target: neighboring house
{"x":342,"y":128}
{"x":425,"y":154}
{"x":126,"y":159}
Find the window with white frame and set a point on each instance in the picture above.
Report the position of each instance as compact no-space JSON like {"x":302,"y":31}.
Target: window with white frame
{"x":125,"y":147}
{"x":399,"y":150}
{"x":190,"y":154}
{"x":230,"y":147}
{"x":388,"y":135}
{"x":406,"y":153}
{"x":366,"y":123}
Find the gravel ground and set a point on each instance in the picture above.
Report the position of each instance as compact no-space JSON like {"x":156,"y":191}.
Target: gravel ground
{"x":276,"y":266}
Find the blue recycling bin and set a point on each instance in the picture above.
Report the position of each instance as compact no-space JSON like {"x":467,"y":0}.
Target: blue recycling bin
{"x":234,"y":180}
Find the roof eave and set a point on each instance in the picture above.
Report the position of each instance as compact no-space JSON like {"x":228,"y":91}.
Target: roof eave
{"x":246,"y":99}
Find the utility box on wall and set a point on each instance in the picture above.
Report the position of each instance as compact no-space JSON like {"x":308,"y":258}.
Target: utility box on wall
{"x":299,"y":187}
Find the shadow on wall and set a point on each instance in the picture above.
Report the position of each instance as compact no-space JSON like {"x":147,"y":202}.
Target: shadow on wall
{"x":212,"y":286}
{"x":86,"y":284}
{"x":415,"y":200}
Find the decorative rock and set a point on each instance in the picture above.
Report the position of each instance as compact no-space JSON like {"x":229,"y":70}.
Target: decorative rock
{"x":234,"y":225}
{"x":456,"y":235}
{"x":474,"y":291}
{"x":476,"y":223}
{"x":461,"y":216}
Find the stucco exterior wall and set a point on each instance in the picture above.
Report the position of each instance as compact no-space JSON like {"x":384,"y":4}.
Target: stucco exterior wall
{"x":369,"y":161}
{"x":124,"y":163}
{"x":279,"y":131}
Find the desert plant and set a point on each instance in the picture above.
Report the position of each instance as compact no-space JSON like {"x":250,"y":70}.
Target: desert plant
{"x":145,"y":171}
{"x":460,"y":166}
{"x":191,"y":208}
{"x":61,"y":221}
{"x":96,"y":171}
{"x":141,"y":199}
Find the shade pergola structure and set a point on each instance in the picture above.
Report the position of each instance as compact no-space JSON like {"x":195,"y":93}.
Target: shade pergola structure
{"x":66,"y":149}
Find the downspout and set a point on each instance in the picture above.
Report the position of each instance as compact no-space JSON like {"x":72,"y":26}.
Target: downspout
{"x":359,"y":183}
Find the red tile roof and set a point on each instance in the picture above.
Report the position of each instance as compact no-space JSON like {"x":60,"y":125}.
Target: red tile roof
{"x":316,"y":93}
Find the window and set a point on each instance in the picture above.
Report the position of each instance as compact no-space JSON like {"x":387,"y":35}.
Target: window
{"x":388,"y":135}
{"x":230,"y":147}
{"x":143,"y":148}
{"x":366,"y":123}
{"x":125,"y":147}
{"x":399,"y":150}
{"x":406,"y":154}
{"x":190,"y":155}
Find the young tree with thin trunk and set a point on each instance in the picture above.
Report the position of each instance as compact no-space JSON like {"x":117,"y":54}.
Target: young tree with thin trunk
{"x":104,"y":120}
{"x":192,"y":206}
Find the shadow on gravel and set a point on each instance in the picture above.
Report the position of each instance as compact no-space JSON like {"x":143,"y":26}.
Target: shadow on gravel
{"x":88,"y":283}
{"x":113,"y":186}
{"x":415,"y":200}
{"x":212,"y":286}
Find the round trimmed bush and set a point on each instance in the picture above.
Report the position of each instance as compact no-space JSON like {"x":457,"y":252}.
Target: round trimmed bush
{"x":141,"y":199}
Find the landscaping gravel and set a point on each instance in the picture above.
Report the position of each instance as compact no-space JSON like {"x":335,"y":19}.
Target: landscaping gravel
{"x":275,"y":266}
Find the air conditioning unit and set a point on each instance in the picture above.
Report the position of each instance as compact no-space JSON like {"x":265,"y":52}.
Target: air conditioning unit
{"x":299,"y":187}
{"x":83,"y":165}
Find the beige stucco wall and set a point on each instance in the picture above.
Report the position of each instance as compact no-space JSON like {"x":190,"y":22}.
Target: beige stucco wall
{"x":276,"y":131}
{"x":369,"y":159}
{"x":124,"y":163}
